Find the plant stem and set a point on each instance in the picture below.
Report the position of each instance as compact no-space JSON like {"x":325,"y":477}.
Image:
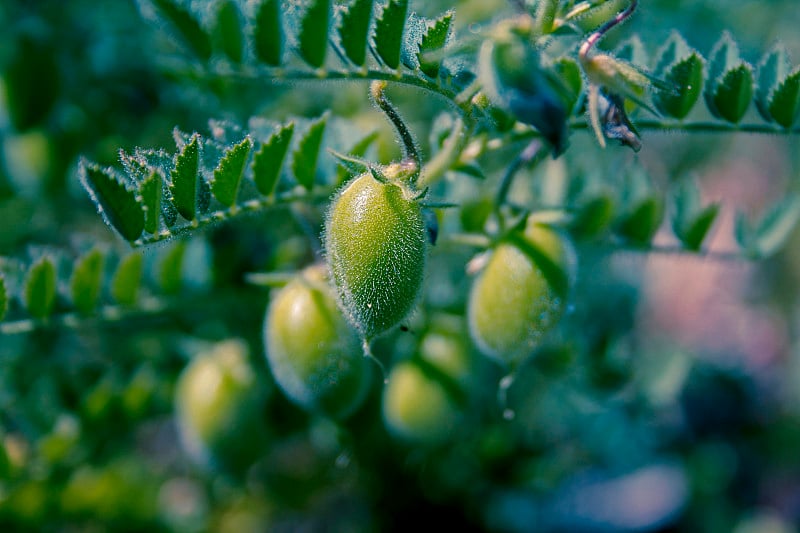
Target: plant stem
{"x":594,"y":38}
{"x":410,"y":151}
{"x":447,"y":156}
{"x":534,"y":152}
{"x":251,"y":206}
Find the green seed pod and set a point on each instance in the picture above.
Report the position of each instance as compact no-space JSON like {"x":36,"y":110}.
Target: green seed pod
{"x":219,"y":404}
{"x":313,"y":353}
{"x":417,"y":407}
{"x":521,"y":292}
{"x":375,"y":243}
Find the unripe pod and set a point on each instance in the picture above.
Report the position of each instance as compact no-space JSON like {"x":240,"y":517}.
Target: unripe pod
{"x":219,"y":404}
{"x":521,"y":292}
{"x":417,"y":407}
{"x":375,"y":243}
{"x":313,"y":353}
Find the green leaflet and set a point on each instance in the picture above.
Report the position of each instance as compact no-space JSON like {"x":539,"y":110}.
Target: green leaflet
{"x":769,"y":235}
{"x":687,"y":76}
{"x":313,"y":34}
{"x":389,"y":32}
{"x":632,"y":50}
{"x":347,"y":167}
{"x":695,"y":232}
{"x":187,"y":27}
{"x":354,"y":30}
{"x":229,"y":172}
{"x":593,"y":216}
{"x":571,"y":81}
{"x":785,"y":102}
{"x":673,"y":51}
{"x":151,"y":191}
{"x":267,"y":32}
{"x":545,"y":16}
{"x":228,"y":31}
{"x":642,"y":221}
{"x":733,"y":93}
{"x":185,"y":177}
{"x":127,"y":278}
{"x":304,"y":161}
{"x":40,"y":288}
{"x":778,"y":90}
{"x":729,"y":86}
{"x":690,"y":220}
{"x":3,"y":298}
{"x":434,"y":39}
{"x":267,"y":162}
{"x":115,"y":201}
{"x":86,"y":280}
{"x":170,"y":269}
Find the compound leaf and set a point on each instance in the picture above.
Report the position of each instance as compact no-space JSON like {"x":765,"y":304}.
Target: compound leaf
{"x":389,"y":32}
{"x":354,"y":30}
{"x":127,"y":278}
{"x":187,"y":27}
{"x":229,"y":172}
{"x":116,"y":203}
{"x":304,"y":161}
{"x":267,"y":32}
{"x":40,"y":288}
{"x":185,"y":176}
{"x":86,"y":279}
{"x":313,"y":34}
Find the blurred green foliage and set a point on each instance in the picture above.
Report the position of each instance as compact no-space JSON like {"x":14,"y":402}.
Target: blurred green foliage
{"x":666,"y":400}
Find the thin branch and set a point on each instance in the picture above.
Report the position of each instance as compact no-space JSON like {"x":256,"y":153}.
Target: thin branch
{"x":410,"y":150}
{"x":532,"y":154}
{"x":222,"y":215}
{"x":106,"y":314}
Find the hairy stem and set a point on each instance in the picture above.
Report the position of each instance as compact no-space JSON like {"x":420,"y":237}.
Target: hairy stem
{"x":453,"y":147}
{"x":595,"y":37}
{"x":534,"y":152}
{"x":410,"y":150}
{"x":251,"y":206}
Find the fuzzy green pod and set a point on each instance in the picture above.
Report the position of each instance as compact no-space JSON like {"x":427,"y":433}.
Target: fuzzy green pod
{"x":313,"y":353}
{"x":375,"y":244}
{"x":417,"y":407}
{"x":520,"y":294}
{"x":219,"y":403}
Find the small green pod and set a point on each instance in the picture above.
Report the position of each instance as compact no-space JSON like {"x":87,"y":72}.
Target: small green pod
{"x":521,"y":292}
{"x":375,"y":244}
{"x":417,"y":407}
{"x":219,"y":407}
{"x":313,"y":353}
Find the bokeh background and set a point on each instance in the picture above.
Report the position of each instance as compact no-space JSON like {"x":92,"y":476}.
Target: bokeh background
{"x":668,"y":400}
